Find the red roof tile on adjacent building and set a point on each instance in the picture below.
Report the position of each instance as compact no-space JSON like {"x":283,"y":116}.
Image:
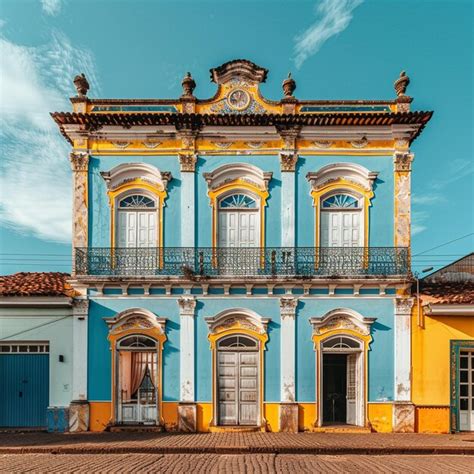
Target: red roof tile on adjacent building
{"x":35,"y":284}
{"x":448,"y":292}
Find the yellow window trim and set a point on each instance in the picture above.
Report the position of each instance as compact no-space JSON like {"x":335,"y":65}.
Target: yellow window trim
{"x":238,"y":184}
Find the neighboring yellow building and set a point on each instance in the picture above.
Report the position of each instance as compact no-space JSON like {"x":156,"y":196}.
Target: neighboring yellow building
{"x":443,"y":350}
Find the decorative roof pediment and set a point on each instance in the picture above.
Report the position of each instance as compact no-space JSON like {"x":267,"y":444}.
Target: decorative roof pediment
{"x":238,"y":90}
{"x":231,"y":172}
{"x":351,"y":172}
{"x":129,"y":172}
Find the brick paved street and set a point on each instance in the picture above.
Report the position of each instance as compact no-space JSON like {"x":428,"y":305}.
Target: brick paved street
{"x":228,"y":463}
{"x":236,"y":443}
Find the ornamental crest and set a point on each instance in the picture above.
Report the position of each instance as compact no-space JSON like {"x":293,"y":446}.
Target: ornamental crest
{"x":341,"y":323}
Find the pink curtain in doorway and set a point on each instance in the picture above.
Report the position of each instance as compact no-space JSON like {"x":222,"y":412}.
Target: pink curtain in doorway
{"x":140,"y":362}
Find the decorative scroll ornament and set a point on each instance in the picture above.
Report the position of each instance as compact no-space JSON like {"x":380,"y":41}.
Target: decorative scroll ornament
{"x":79,"y":161}
{"x":255,"y":144}
{"x":288,"y":161}
{"x":187,"y":162}
{"x":288,"y":306}
{"x":135,"y":318}
{"x":223,"y":145}
{"x":81,"y":84}
{"x":322,"y":144}
{"x":237,"y":318}
{"x":80,"y":308}
{"x":404,"y":305}
{"x":342,"y":319}
{"x":401,"y":84}
{"x":151,"y":143}
{"x":121,"y":144}
{"x":362,"y":143}
{"x":403,"y":161}
{"x":188,"y":139}
{"x":402,"y":143}
{"x":187,"y":305}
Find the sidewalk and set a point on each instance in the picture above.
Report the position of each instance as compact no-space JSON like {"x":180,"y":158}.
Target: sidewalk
{"x":235,"y":443}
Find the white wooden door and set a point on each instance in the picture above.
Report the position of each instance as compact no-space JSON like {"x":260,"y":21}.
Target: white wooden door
{"x":238,"y":229}
{"x":351,"y":389}
{"x":340,"y":229}
{"x":136,"y":229}
{"x":466,"y":391}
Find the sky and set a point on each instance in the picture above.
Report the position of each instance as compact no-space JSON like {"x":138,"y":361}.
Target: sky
{"x":335,"y":49}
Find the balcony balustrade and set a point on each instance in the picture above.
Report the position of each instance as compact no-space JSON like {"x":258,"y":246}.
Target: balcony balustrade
{"x":242,"y":263}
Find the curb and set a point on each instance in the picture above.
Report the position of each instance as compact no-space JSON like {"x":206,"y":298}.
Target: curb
{"x":406,"y":450}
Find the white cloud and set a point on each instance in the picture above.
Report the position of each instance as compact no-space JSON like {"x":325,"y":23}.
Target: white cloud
{"x":51,"y":7}
{"x":427,"y":199}
{"x":418,"y":219}
{"x":333,"y":17}
{"x":35,"y":177}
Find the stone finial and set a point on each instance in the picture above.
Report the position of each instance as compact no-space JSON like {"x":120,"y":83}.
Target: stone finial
{"x":289,"y":86}
{"x":401,"y":84}
{"x":81,"y":84}
{"x":188,"y":85}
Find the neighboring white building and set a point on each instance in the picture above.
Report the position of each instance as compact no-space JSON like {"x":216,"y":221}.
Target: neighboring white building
{"x":36,"y":350}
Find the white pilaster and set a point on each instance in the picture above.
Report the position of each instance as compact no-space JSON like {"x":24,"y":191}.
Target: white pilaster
{"x":79,"y":349}
{"x":288,"y":347}
{"x":288,"y":163}
{"x":187,"y":305}
{"x":188,"y":163}
{"x":402,"y":356}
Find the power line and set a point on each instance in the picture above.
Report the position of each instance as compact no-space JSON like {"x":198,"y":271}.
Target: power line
{"x":442,"y":245}
{"x":34,"y":327}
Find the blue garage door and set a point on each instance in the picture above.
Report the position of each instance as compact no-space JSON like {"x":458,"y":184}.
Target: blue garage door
{"x":24,"y":393}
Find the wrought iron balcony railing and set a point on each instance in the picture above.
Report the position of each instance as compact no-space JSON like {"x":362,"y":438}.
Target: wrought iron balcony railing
{"x":280,"y":262}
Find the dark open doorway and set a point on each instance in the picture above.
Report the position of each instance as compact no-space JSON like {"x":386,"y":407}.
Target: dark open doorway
{"x":334,"y":388}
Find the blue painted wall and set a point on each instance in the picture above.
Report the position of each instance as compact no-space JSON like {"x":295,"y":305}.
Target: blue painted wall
{"x":380,"y":355}
{"x":380,"y":214}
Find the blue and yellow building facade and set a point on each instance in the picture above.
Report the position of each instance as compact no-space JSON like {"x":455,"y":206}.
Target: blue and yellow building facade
{"x":245,"y":262}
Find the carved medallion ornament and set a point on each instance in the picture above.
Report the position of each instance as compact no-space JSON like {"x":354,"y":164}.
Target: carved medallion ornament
{"x":340,"y":323}
{"x":121,"y":144}
{"x":151,"y":144}
{"x":136,"y":322}
{"x":238,"y":99}
{"x":237,"y":322}
{"x":255,"y":144}
{"x":403,"y":161}
{"x":187,"y":162}
{"x":222,"y":145}
{"x":288,"y":161}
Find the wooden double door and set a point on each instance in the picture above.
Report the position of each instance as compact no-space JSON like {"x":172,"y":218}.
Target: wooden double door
{"x":238,"y":384}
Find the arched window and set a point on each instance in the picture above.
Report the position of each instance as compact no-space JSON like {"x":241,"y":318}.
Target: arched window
{"x":136,"y":201}
{"x":237,"y":201}
{"x":136,"y":342}
{"x":340,"y":201}
{"x":341,"y":342}
{"x":239,"y":223}
{"x":237,"y":341}
{"x":137,"y":221}
{"x":341,"y":220}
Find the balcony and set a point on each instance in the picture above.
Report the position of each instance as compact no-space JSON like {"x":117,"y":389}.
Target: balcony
{"x":243,"y":263}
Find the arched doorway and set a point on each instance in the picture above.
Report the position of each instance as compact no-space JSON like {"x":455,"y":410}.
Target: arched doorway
{"x":238,"y":380}
{"x":136,"y":338}
{"x":137,"y":380}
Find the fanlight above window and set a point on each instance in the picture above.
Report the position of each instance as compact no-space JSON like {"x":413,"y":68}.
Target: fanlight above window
{"x":340,"y":342}
{"x":137,"y":342}
{"x":241,"y":201}
{"x":136,"y":201}
{"x":237,"y":341}
{"x":340,"y":201}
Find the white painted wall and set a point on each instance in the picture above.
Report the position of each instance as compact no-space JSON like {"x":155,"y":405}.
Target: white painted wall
{"x":187,"y":209}
{"x":288,"y":209}
{"x":59,"y":335}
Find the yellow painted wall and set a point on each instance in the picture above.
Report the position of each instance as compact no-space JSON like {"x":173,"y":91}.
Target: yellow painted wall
{"x":170,"y":415}
{"x":272,"y":415}
{"x":380,"y":417}
{"x":99,"y":415}
{"x":307,"y":413}
{"x":204,"y":416}
{"x":431,"y":356}
{"x":432,"y":419}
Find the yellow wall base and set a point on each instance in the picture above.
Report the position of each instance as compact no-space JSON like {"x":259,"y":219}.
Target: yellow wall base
{"x":100,"y":415}
{"x":434,"y":419}
{"x":380,"y":417}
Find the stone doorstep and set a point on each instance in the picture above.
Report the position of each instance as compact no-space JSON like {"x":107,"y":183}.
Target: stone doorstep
{"x":303,"y":450}
{"x":340,"y":429}
{"x":235,"y":429}
{"x":136,"y":429}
